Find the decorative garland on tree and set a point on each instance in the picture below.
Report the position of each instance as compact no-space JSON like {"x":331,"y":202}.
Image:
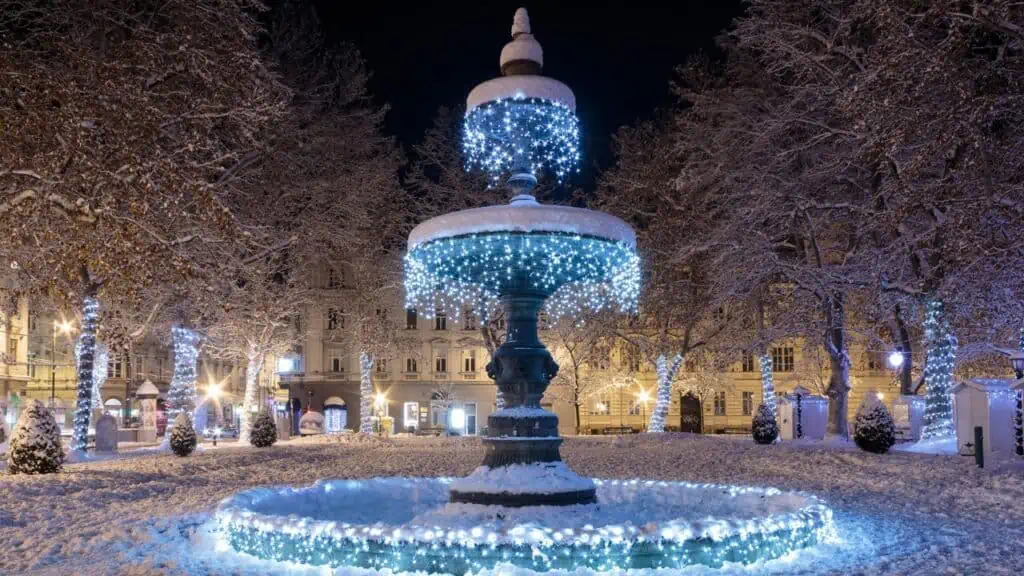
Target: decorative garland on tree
{"x":181,"y":396}
{"x":86,"y":351}
{"x":99,"y":371}
{"x":365,"y":393}
{"x":666,"y":373}
{"x":799,"y":415}
{"x":1019,"y":417}
{"x":768,"y":382}
{"x":938,"y":373}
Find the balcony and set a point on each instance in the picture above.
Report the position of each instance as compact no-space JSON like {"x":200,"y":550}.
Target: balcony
{"x":440,"y":375}
{"x":469,"y":375}
{"x":410,"y":376}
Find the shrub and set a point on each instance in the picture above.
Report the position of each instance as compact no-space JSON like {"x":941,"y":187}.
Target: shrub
{"x":764,"y":427}
{"x":874,"y":430}
{"x":183,"y":436}
{"x":264,"y":432}
{"x":35,"y":446}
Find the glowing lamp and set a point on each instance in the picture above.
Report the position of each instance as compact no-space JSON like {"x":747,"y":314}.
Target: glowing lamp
{"x":896,"y":359}
{"x":458,"y":418}
{"x":285,"y":364}
{"x":643,"y":396}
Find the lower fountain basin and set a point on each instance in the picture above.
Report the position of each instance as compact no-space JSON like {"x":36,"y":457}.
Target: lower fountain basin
{"x":408,"y":524}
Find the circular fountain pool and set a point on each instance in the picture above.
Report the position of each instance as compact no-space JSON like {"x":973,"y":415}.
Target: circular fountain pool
{"x":408,"y":524}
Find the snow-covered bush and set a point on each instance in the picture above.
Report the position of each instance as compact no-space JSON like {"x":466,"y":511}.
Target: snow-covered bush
{"x":35,"y":446}
{"x":183,"y":436}
{"x":764,"y":427}
{"x":873,"y":426}
{"x":263,"y":433}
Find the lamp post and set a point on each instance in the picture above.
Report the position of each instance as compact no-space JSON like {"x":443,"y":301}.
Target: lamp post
{"x":380,"y":400}
{"x":1017,"y":361}
{"x":213,"y":392}
{"x":65,"y":328}
{"x":643,"y":397}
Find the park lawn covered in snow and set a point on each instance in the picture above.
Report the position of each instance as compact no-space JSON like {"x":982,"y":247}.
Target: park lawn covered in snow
{"x":898,"y":513}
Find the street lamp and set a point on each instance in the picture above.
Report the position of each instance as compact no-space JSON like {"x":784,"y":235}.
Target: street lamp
{"x":65,"y":328}
{"x":380,"y":400}
{"x":896,"y":359}
{"x":1017,"y":361}
{"x":643,"y":397}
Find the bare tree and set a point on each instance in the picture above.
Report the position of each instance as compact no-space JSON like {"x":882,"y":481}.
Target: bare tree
{"x":579,"y":346}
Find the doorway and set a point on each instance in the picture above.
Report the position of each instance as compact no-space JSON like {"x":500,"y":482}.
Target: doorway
{"x":691,"y":418}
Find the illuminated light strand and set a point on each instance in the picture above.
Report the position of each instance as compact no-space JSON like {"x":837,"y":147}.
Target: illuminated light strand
{"x":181,"y":395}
{"x":366,"y":394}
{"x":671,"y":544}
{"x":99,"y":371}
{"x":666,"y":373}
{"x":86,"y":356}
{"x":451,"y":274}
{"x":938,"y":373}
{"x":521,"y":133}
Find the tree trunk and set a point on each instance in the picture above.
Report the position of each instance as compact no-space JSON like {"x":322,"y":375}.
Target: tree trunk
{"x":903,"y":338}
{"x":839,"y":362}
{"x":666,"y":375}
{"x":86,"y":355}
{"x":767,"y":381}
{"x":940,"y":349}
{"x":365,"y":393}
{"x":254,"y":364}
{"x":181,"y":394}
{"x":577,"y":407}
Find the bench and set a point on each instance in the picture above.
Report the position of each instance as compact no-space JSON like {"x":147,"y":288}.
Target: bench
{"x":617,"y":430}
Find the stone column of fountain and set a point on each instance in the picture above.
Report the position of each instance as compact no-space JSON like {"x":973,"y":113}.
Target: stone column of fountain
{"x":520,"y":255}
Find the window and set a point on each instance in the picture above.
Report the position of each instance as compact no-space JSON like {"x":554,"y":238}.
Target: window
{"x":782,"y":359}
{"x":382,"y":313}
{"x":337,"y":365}
{"x":334,"y":319}
{"x":114,"y":368}
{"x":719,"y":314}
{"x":470,"y":410}
{"x":31,"y":365}
{"x":334,"y":278}
{"x":410,"y":365}
{"x":748,"y":361}
{"x":160,"y":367}
{"x":33,"y":321}
{"x":441,"y":362}
{"x":748,"y":403}
{"x":719,"y":403}
{"x":410,"y":415}
{"x":499,"y":322}
{"x":440,"y":321}
{"x":633,"y":361}
{"x":544,"y":319}
{"x":601,"y":358}
{"x":601,"y":406}
{"x":469,"y":361}
{"x":12,"y":349}
{"x":382,"y":365}
{"x":871,"y":363}
{"x":468,"y":319}
{"x":410,"y":319}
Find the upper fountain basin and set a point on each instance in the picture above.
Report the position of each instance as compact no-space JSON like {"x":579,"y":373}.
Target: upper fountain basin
{"x":524,"y":215}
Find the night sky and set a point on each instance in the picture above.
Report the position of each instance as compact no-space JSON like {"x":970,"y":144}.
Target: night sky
{"x":618,"y":57}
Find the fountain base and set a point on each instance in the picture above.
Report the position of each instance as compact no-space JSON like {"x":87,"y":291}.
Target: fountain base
{"x":518,"y":485}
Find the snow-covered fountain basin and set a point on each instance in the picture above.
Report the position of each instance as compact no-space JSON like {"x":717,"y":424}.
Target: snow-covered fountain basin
{"x":408,"y":524}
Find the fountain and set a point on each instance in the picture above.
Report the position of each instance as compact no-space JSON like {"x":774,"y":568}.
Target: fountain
{"x":522,"y":505}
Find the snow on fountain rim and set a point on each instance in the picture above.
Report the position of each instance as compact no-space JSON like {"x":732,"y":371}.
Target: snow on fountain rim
{"x":518,"y":87}
{"x":539,"y":478}
{"x":621,"y":516}
{"x":524,"y":214}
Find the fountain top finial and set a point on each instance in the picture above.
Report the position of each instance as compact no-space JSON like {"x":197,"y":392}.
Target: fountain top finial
{"x":523,"y":56}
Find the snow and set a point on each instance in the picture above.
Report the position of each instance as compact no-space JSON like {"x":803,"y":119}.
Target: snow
{"x":519,"y":412}
{"x":524,"y":216}
{"x":939,"y":446}
{"x":539,"y":478}
{"x":147,"y":512}
{"x":523,"y":86}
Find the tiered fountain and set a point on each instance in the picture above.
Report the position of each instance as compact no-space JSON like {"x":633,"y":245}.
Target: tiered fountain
{"x":522,"y":256}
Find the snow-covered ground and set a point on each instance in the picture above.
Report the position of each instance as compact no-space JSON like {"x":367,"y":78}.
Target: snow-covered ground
{"x":147,"y":512}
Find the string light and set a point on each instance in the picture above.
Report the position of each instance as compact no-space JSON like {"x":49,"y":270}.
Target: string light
{"x":666,"y":373}
{"x":366,"y":394}
{"x":522,"y":133}
{"x":579,"y":272}
{"x":86,"y":357}
{"x":768,"y":382}
{"x":181,"y":395}
{"x":938,"y":373}
{"x":99,"y":371}
{"x":672,"y":544}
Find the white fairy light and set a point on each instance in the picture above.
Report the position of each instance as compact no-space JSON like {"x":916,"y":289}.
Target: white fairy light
{"x":87,"y":350}
{"x":938,"y":373}
{"x":181,"y":395}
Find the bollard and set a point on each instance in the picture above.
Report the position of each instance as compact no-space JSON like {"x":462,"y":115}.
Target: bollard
{"x":979,"y":447}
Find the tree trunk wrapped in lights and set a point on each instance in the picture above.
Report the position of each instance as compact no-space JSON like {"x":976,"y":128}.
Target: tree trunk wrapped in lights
{"x":940,"y":346}
{"x":365,"y":393}
{"x":181,"y":396}
{"x":768,"y":382}
{"x":666,"y":375}
{"x":252,"y":370}
{"x":86,"y":358}
{"x":1018,"y":423}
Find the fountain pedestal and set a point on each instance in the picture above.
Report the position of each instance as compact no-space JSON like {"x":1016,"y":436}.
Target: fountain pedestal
{"x":522,"y":466}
